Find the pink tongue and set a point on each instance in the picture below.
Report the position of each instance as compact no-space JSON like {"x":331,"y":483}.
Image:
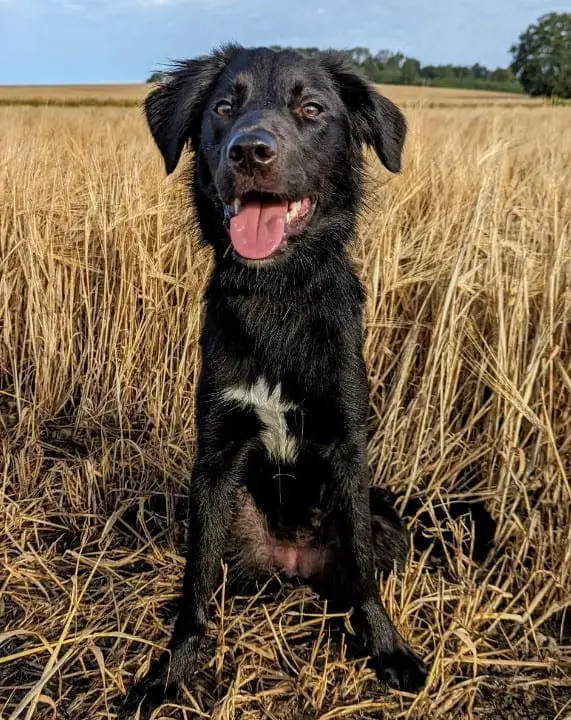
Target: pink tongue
{"x":257,"y":231}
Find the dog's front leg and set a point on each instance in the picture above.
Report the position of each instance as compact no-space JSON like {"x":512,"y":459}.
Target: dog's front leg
{"x":216,"y":476}
{"x":394,"y":661}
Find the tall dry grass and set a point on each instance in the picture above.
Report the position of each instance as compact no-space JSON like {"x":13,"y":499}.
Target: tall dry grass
{"x":466,"y":258}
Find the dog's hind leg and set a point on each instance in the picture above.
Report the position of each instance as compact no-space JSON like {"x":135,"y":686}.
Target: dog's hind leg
{"x":477,"y":541}
{"x":391,"y":539}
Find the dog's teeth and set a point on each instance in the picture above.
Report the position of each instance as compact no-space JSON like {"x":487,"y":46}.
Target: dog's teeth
{"x":236,"y":206}
{"x":293,"y":210}
{"x":288,"y":217}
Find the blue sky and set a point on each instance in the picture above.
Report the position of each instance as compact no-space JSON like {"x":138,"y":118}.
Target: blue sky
{"x":67,"y":41}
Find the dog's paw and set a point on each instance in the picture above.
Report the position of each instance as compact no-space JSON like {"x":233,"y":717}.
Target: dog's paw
{"x":147,"y":695}
{"x":401,"y":669}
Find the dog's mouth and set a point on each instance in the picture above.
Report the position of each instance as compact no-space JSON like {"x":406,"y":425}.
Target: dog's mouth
{"x":260,"y":224}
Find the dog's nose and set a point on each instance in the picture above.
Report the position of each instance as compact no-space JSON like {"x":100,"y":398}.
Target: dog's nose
{"x":252,"y":149}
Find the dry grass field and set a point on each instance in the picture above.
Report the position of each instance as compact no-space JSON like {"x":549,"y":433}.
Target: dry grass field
{"x":130,"y":95}
{"x":466,"y":257}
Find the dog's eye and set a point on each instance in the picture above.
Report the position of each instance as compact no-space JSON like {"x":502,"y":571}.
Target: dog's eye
{"x":311,"y":110}
{"x":223,"y":108}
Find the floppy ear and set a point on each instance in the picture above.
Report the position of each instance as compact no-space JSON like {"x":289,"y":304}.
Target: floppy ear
{"x":174,"y":109}
{"x":375,"y":120}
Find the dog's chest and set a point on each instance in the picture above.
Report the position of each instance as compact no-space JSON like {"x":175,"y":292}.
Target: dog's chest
{"x":271,"y":408}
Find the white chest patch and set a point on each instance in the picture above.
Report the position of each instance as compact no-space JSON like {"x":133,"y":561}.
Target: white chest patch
{"x":280,"y":444}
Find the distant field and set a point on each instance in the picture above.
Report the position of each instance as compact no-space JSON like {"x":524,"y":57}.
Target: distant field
{"x":125,"y":95}
{"x":73,"y":94}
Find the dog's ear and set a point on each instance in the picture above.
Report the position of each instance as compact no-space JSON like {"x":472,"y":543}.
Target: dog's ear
{"x":174,"y":109}
{"x":375,"y":120}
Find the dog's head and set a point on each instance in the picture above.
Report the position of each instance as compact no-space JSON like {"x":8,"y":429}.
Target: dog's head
{"x":278,"y":142}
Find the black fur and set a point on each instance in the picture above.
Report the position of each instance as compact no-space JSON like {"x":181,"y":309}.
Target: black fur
{"x":297,"y":322}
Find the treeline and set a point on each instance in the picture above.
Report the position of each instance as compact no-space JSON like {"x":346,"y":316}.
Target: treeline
{"x":395,"y":68}
{"x":388,"y":67}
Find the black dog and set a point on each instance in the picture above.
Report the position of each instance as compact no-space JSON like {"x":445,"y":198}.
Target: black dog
{"x":280,"y":482}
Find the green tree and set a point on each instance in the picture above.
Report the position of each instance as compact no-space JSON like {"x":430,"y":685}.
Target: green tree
{"x":410,"y":71}
{"x":501,"y":75}
{"x":480,"y":72}
{"x":360,"y":55}
{"x":542,"y":57}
